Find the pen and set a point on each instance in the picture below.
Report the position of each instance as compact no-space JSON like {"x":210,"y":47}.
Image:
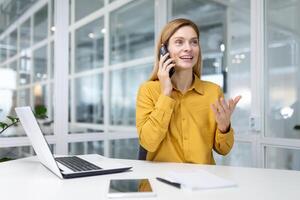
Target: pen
{"x":169,"y":182}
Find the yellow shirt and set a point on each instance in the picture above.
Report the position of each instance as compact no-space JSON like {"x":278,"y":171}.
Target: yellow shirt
{"x":181,"y":128}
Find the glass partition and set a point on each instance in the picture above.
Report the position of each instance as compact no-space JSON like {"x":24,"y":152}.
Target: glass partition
{"x":124,"y":86}
{"x":89,"y":99}
{"x":134,"y":38}
{"x":282,"y":158}
{"x":40,"y":28}
{"x":82,"y":8}
{"x":25,"y":34}
{"x":12,"y":42}
{"x":24,"y":97}
{"x":25,"y":67}
{"x":282,"y":112}
{"x":40,"y":58}
{"x":3,"y":49}
{"x":89,"y":45}
{"x":124,"y":148}
{"x":16,"y":152}
{"x":240,"y":155}
{"x":14,"y":66}
{"x":91,"y":147}
{"x":12,"y":10}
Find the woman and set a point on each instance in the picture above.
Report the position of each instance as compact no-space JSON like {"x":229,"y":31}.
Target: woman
{"x":182,"y":118}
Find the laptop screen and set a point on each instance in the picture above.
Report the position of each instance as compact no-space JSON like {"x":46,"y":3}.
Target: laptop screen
{"x":37,"y":139}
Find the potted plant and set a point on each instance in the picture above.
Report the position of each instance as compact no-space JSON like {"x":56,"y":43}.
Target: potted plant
{"x":39,"y":112}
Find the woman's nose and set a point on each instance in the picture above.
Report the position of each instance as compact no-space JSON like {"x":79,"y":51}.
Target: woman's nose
{"x":187,"y":46}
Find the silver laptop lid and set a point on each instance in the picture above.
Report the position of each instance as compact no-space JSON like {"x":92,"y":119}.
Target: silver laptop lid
{"x":37,"y":139}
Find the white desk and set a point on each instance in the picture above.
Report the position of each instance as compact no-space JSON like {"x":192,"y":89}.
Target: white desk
{"x":28,"y":179}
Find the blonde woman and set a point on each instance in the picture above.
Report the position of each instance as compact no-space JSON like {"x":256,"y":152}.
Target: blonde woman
{"x":181,"y":118}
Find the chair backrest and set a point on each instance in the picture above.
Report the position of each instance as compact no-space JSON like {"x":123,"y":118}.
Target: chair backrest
{"x":142,"y":153}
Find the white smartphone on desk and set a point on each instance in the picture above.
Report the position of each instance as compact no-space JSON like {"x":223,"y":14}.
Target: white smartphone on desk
{"x":126,"y":188}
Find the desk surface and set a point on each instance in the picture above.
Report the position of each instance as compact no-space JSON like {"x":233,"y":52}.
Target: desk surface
{"x":28,"y":179}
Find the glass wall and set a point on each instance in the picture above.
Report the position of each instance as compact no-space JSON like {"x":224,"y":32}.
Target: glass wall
{"x":129,"y":40}
{"x":12,"y":43}
{"x":240,"y":155}
{"x":282,"y":110}
{"x":23,"y":68}
{"x":83,"y":8}
{"x":40,"y":64}
{"x":132,"y":39}
{"x":40,"y":24}
{"x":92,"y":147}
{"x":124,"y":86}
{"x":16,"y":152}
{"x":283,"y":69}
{"x":25,"y":34}
{"x":282,"y":158}
{"x":89,"y":46}
{"x":89,"y":99}
{"x":124,"y":148}
{"x":11,"y":10}
{"x":12,"y":153}
{"x":3,"y":49}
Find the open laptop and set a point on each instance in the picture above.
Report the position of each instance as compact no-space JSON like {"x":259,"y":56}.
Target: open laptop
{"x":67,"y":166}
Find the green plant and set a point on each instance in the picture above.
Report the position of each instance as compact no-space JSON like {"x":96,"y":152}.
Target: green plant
{"x":39,"y":112}
{"x":5,"y":159}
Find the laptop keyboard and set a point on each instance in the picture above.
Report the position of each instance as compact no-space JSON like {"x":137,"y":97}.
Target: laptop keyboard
{"x":77,"y":164}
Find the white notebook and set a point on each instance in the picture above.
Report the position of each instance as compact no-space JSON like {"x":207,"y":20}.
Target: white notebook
{"x":198,"y":180}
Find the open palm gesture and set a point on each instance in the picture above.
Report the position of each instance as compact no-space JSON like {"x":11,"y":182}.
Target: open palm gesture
{"x":223,"y":111}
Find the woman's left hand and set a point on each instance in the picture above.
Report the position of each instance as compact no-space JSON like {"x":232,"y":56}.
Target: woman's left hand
{"x":223,"y":111}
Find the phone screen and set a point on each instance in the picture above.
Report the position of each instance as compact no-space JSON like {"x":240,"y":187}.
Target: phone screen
{"x":129,"y":185}
{"x":119,"y":188}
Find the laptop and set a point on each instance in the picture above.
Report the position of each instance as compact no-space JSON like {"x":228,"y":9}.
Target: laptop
{"x":66,"y":166}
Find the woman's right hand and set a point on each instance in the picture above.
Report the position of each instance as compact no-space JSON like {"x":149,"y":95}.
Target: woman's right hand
{"x":163,"y":74}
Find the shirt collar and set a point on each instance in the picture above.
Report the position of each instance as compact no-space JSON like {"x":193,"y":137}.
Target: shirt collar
{"x":198,"y":85}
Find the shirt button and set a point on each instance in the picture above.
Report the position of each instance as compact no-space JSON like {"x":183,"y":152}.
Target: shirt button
{"x":183,"y":119}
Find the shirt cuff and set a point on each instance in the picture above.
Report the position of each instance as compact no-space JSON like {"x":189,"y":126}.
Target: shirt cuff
{"x":223,"y":137}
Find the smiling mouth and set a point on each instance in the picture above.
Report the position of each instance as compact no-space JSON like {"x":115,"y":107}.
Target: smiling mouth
{"x":186,"y":58}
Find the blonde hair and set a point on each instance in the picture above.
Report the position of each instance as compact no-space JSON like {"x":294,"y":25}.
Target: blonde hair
{"x":165,"y":35}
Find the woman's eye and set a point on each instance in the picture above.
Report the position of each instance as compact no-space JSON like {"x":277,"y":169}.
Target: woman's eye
{"x":178,"y":42}
{"x":195,"y":42}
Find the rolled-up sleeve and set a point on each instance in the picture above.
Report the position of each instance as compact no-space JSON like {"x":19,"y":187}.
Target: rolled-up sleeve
{"x":224,"y":141}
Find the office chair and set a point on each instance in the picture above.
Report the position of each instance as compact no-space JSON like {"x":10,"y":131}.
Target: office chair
{"x":142,"y":153}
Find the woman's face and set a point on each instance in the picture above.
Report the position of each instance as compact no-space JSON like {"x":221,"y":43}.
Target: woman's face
{"x":184,"y":47}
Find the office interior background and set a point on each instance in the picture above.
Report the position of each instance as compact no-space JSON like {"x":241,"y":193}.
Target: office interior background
{"x":249,"y":47}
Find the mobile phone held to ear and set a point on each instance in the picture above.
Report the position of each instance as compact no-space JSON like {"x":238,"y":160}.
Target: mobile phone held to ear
{"x":163,"y":50}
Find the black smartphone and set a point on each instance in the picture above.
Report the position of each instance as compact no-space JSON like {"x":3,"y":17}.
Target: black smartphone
{"x":163,"y":50}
